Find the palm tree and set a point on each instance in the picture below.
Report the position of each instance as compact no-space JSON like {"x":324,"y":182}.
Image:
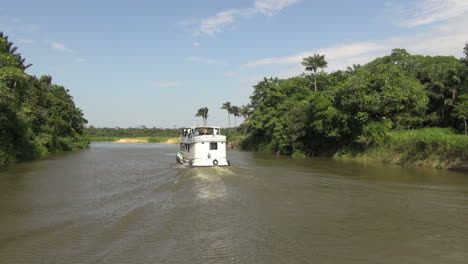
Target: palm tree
{"x":203,"y":112}
{"x":313,"y":63}
{"x":245,"y":111}
{"x":227,"y":106}
{"x":352,"y":70}
{"x":200,"y":113}
{"x":235,"y":110}
{"x":10,"y":49}
{"x":205,"y":115}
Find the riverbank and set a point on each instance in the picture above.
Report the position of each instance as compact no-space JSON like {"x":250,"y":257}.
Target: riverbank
{"x":164,"y":140}
{"x":440,"y":148}
{"x":428,"y":147}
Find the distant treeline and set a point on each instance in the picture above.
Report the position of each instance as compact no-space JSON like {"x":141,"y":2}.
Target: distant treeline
{"x":131,"y":132}
{"x":37,"y":117}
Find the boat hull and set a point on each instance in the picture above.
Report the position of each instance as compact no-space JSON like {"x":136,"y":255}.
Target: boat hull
{"x":198,"y":162}
{"x":209,"y":162}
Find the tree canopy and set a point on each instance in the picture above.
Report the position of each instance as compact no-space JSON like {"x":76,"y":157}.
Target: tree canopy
{"x":358,"y":106}
{"x":37,"y":117}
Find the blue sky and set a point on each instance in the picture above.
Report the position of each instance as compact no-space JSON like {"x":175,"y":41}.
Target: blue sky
{"x":154,"y":63}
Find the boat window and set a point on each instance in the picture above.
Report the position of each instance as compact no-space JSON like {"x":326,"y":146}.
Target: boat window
{"x":203,"y":131}
{"x":214,"y":146}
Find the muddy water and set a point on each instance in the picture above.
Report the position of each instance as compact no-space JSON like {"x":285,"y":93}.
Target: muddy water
{"x":131,"y":203}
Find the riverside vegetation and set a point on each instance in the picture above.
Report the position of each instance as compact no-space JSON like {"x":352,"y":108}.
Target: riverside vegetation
{"x":37,"y":117}
{"x":401,"y":108}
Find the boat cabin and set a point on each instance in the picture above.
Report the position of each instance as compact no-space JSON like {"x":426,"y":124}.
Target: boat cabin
{"x":202,"y":146}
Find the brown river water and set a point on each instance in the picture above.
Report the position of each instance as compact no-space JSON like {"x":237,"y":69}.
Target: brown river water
{"x":131,"y":203}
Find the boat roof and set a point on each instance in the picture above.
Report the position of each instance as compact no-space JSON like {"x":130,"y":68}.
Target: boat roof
{"x":193,"y":127}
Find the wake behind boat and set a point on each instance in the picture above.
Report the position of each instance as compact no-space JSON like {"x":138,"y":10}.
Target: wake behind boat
{"x":202,"y":146}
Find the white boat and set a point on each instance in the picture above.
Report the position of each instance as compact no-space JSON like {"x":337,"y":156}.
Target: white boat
{"x":202,"y":146}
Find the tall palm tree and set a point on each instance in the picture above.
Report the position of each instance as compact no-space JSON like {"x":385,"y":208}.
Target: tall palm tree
{"x":227,"y":106}
{"x":352,"y":70}
{"x":245,"y":111}
{"x":235,"y":110}
{"x":203,"y":113}
{"x":313,"y":63}
{"x":200,"y":114}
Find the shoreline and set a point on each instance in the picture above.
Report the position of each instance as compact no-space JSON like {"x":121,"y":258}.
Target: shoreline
{"x":163,"y":140}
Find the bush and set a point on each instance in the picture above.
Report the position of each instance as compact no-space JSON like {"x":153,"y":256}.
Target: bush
{"x":299,"y":155}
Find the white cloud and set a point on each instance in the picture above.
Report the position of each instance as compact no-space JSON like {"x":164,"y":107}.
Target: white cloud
{"x":60,"y":47}
{"x":196,"y":44}
{"x":203,"y":60}
{"x":269,"y":7}
{"x":215,"y":24}
{"x":334,"y":52}
{"x":166,"y":84}
{"x":421,"y":12}
{"x":447,"y":39}
{"x":81,"y":60}
{"x":212,"y":25}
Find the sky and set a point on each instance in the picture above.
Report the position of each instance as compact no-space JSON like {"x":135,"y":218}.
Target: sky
{"x":129,"y":63}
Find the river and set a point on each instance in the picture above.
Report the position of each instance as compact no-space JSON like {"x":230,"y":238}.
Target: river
{"x":131,"y":203}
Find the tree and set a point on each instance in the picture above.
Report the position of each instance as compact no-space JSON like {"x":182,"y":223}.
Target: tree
{"x":235,"y":110}
{"x":227,"y":106}
{"x":352,"y":70}
{"x":465,"y":50}
{"x":245,"y":111}
{"x":313,"y":63}
{"x":16,"y":60}
{"x":460,"y":110}
{"x":203,"y":113}
{"x":376,"y":95}
{"x":37,"y":117}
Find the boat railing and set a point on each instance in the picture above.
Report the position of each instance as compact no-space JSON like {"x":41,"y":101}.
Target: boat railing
{"x":202,"y":138}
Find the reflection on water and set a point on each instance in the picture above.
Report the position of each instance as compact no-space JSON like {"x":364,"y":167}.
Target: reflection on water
{"x":131,"y":203}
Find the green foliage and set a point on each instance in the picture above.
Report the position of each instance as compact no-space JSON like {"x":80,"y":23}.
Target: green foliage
{"x":432,"y":147}
{"x":298,"y":155}
{"x":460,"y":110}
{"x":131,"y":132}
{"x":374,"y":133}
{"x":357,"y":108}
{"x":36,"y":117}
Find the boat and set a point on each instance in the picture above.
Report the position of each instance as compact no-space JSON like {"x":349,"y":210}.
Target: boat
{"x":202,"y":146}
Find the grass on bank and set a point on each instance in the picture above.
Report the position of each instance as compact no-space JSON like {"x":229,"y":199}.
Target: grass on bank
{"x":428,"y":147}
